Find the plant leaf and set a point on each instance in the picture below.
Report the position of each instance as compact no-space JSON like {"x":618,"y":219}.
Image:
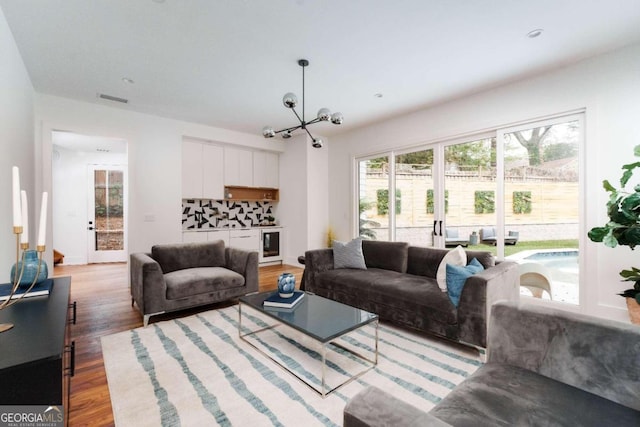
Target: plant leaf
{"x":625,"y":177}
{"x":609,"y":240}
{"x":607,"y":185}
{"x":636,"y":151}
{"x":596,"y":234}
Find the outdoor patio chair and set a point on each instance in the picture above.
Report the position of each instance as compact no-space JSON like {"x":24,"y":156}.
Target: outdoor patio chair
{"x":453,"y":239}
{"x":488,"y":236}
{"x":535,"y":277}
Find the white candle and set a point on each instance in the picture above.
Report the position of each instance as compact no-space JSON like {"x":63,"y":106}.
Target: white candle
{"x":42,"y":231}
{"x":24,"y":238}
{"x":17,"y":216}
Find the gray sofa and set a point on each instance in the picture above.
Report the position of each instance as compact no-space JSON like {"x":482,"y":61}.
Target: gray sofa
{"x":546,"y":367}
{"x":183,"y":275}
{"x":400,"y":286}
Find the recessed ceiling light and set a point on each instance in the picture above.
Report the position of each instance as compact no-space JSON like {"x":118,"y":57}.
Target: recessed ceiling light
{"x":127,"y":80}
{"x":378,"y":95}
{"x":534,"y":33}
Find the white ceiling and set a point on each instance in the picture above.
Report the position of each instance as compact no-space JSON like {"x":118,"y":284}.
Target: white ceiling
{"x":228,"y":63}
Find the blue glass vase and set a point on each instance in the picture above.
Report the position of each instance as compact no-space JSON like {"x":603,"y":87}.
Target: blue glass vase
{"x":30,"y":269}
{"x":286,"y":285}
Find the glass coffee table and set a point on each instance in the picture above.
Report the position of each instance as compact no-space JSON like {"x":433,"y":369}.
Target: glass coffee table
{"x":315,"y":330}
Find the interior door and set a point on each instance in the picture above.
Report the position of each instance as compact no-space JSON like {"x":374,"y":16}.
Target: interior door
{"x":107,"y":240}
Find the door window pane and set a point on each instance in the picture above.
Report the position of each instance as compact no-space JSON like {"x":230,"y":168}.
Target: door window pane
{"x":415,"y":202}
{"x":542,"y":208}
{"x":373,"y":198}
{"x":108,"y":190}
{"x":470,"y":191}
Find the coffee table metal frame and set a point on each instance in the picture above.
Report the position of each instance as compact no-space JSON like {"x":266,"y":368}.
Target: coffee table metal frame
{"x":324,"y":344}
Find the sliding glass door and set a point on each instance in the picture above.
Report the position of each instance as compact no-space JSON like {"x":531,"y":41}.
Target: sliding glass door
{"x":541,"y":220}
{"x":515,"y":192}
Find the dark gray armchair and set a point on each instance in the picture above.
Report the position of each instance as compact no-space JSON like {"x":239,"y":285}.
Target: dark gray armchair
{"x":183,"y":275}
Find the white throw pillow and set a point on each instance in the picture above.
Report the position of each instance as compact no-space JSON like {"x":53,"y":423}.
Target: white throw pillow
{"x":348,"y":255}
{"x":456,"y":256}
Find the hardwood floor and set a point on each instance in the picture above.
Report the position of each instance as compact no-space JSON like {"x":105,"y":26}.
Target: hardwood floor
{"x":104,"y":308}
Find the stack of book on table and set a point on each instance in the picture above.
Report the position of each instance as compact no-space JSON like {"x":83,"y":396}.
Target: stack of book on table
{"x":276,"y":301}
{"x":42,"y":288}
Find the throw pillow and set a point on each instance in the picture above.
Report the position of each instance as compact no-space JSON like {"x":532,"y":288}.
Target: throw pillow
{"x":455,"y":256}
{"x":457,"y":276}
{"x":348,"y":255}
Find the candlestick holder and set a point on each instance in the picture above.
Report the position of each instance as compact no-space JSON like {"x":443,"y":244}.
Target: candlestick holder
{"x":18,"y":273}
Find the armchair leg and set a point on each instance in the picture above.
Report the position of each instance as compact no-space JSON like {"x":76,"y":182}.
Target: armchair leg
{"x":145,"y":320}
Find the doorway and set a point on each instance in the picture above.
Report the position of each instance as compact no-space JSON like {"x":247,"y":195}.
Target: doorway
{"x":106,"y":214}
{"x":89,"y":191}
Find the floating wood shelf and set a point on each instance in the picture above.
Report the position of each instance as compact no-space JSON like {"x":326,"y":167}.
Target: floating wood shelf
{"x":251,"y":193}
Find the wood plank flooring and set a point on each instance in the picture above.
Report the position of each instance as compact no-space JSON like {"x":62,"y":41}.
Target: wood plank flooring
{"x":104,"y":308}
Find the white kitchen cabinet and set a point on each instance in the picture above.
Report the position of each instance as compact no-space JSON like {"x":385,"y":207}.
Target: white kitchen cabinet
{"x":202,"y":171}
{"x":206,"y":236}
{"x":191,"y":170}
{"x":194,"y":236}
{"x":247,"y":239}
{"x":218,"y":235}
{"x":212,"y":172}
{"x":238,"y":167}
{"x":265,"y":169}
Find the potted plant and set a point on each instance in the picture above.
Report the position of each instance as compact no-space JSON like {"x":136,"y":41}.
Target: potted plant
{"x":623,"y":228}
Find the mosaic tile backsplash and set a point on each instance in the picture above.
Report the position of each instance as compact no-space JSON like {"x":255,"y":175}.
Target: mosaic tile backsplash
{"x":202,"y":214}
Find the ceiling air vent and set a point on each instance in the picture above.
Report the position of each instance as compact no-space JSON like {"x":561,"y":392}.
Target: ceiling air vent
{"x":113,"y":98}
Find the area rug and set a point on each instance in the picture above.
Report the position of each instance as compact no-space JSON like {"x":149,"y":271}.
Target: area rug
{"x":196,"y":371}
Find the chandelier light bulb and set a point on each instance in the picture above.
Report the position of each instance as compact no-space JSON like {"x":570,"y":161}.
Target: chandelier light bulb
{"x":337,"y":118}
{"x":268,"y":132}
{"x":324,"y":114}
{"x":317,"y":143}
{"x":290,"y":100}
{"x":286,"y":135}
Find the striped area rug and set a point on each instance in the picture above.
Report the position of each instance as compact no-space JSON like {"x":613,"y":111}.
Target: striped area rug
{"x":196,"y":371}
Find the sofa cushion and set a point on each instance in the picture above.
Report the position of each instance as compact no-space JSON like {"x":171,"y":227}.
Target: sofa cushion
{"x":457,"y":257}
{"x":193,"y":281}
{"x":457,"y":277}
{"x":179,"y":256}
{"x":392,"y":256}
{"x":505,"y":395}
{"x":348,"y":255}
{"x":404,"y":292}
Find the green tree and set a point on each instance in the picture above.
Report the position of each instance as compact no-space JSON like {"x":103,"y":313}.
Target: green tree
{"x":560,"y":150}
{"x":533,"y":143}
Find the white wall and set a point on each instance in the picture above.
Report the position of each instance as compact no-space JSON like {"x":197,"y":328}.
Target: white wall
{"x":70,"y":199}
{"x":607,"y":87}
{"x":16,"y":143}
{"x":304,"y":197}
{"x":154,"y":159}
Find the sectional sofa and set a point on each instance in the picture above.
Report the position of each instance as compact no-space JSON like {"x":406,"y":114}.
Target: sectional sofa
{"x":546,"y":367}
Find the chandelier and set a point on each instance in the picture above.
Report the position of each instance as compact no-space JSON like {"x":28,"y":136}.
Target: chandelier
{"x":290,"y":100}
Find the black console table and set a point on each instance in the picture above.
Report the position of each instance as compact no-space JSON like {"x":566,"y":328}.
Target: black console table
{"x":36,"y":356}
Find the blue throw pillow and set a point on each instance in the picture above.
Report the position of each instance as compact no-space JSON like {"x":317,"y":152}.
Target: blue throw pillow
{"x":457,"y":276}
